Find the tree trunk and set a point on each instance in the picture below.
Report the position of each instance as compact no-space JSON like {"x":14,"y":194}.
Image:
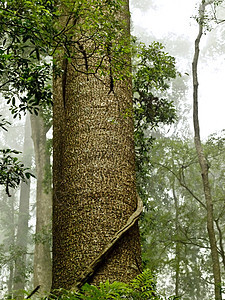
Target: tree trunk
{"x":177,"y":246}
{"x":42,"y":253}
{"x":10,"y":280}
{"x":23,"y":218}
{"x":222,"y":253}
{"x":204,"y":165}
{"x":11,"y":243}
{"x":94,"y":184}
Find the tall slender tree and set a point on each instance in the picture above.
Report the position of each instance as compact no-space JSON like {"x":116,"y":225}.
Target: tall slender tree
{"x":95,"y":207}
{"x":23,"y":217}
{"x":42,"y":253}
{"x":202,"y":159}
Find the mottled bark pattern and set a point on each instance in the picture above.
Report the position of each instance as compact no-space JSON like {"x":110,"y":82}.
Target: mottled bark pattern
{"x":94,"y":179}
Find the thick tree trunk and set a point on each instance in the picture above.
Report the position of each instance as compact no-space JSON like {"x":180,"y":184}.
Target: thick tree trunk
{"x":23,"y":218}
{"x":204,"y":166}
{"x":94,"y":191}
{"x":42,"y":253}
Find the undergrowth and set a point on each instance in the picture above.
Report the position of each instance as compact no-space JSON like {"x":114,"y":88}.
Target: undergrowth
{"x":143,"y":287}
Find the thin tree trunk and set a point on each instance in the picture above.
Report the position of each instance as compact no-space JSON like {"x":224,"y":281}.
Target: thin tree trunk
{"x":94,"y":191}
{"x":42,"y":253}
{"x":204,"y":165}
{"x":222,"y":253}
{"x":177,"y":247}
{"x":10,"y":280}
{"x":23,"y":218}
{"x":11,"y":244}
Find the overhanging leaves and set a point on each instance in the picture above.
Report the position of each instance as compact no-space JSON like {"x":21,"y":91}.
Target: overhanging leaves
{"x":12,"y":171}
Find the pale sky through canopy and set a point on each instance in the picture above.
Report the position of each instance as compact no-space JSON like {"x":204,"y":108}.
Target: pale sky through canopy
{"x":174,"y":16}
{"x":169,"y":16}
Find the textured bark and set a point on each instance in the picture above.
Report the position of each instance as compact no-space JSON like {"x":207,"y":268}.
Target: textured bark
{"x":23,"y":218}
{"x":204,"y":165}
{"x":94,"y":188}
{"x":110,"y":246}
{"x":42,"y":253}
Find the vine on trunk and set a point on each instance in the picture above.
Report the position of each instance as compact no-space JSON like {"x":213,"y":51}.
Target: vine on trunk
{"x":91,"y":269}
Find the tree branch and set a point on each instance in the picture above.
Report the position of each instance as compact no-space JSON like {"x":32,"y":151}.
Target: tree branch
{"x":119,"y":234}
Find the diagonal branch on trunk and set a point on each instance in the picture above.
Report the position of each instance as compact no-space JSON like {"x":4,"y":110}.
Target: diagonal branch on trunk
{"x":91,"y":269}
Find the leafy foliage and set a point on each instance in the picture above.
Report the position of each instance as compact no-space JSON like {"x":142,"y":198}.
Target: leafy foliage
{"x":153,"y":71}
{"x":4,"y":123}
{"x":174,"y":231}
{"x":142,"y":287}
{"x":25,"y":30}
{"x":12,"y":171}
{"x":33,"y":31}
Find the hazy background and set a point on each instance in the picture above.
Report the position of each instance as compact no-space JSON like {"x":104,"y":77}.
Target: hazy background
{"x":172,"y":20}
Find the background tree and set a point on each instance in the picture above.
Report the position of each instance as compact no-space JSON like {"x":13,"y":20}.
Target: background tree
{"x":15,"y":261}
{"x":42,"y":252}
{"x":176,"y":202}
{"x":201,"y":157}
{"x":25,"y":73}
{"x":20,"y":276}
